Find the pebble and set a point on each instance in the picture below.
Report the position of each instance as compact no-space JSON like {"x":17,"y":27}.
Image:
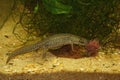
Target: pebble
{"x":14,"y":44}
{"x":82,"y":69}
{"x":6,"y":36}
{"x":56,"y":64}
{"x":0,"y":47}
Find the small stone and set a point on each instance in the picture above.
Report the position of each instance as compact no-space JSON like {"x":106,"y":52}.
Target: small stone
{"x":57,"y":64}
{"x":0,"y":47}
{"x":99,"y":60}
{"x":6,"y":36}
{"x":14,"y":44}
{"x":81,"y":69}
{"x":100,"y":78}
{"x":115,"y":53}
{"x":10,"y":63}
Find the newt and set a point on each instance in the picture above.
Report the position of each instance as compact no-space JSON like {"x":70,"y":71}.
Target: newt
{"x":53,"y":42}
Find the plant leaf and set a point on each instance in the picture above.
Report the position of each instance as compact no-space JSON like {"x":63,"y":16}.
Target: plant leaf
{"x":56,"y":7}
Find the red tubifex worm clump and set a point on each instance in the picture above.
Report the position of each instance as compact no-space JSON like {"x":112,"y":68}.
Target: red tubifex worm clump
{"x":92,"y":48}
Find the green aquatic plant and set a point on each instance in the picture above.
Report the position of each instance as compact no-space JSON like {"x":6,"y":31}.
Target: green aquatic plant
{"x":55,"y":7}
{"x":89,"y":19}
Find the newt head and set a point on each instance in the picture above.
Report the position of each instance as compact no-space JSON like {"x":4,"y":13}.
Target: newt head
{"x":83,"y":41}
{"x":80,"y":41}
